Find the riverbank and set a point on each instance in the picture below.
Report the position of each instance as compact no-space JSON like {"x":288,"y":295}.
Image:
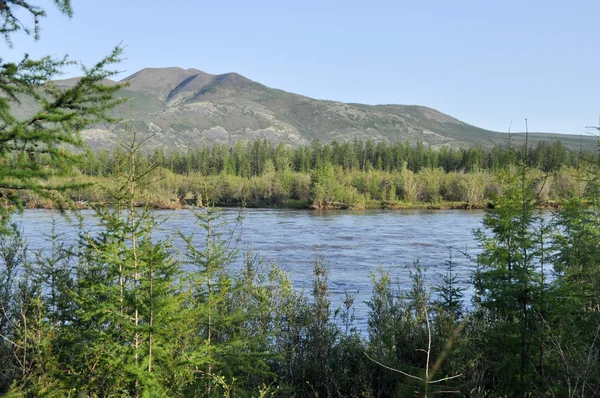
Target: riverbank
{"x":175,"y":204}
{"x":328,"y":189}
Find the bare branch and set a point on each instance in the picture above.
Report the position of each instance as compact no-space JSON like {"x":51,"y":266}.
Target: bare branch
{"x":392,"y":369}
{"x":10,"y":341}
{"x":445,"y":379}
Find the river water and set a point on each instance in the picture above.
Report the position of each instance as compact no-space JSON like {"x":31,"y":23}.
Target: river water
{"x":353,"y":244}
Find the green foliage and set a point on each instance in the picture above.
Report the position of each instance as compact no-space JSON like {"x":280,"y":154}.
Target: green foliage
{"x":248,"y":159}
{"x":509,"y":282}
{"x":129,"y":298}
{"x":535,"y":317}
{"x":215,"y":323}
{"x":572,"y":316}
{"x":450,"y":292}
{"x":130,"y":322}
{"x":13,"y":256}
{"x":410,"y":338}
{"x":11,"y":17}
{"x":114,"y":313}
{"x":325,"y":189}
{"x":349,"y":175}
{"x":42,"y":143}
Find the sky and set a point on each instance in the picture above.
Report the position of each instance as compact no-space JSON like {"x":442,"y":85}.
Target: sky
{"x":489,"y":63}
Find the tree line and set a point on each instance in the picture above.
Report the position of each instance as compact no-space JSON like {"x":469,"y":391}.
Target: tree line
{"x":253,"y":158}
{"x":354,"y":174}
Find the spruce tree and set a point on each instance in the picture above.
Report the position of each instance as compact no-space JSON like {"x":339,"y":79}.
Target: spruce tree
{"x":508,"y":282}
{"x":222,"y":305}
{"x":572,"y":321}
{"x":129,"y":330}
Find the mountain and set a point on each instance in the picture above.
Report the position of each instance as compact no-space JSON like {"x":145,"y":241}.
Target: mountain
{"x":186,"y":108}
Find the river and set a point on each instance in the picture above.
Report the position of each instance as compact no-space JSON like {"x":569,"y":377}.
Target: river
{"x":352,"y":243}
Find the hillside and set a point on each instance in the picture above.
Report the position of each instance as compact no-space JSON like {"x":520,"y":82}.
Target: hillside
{"x":183,"y":109}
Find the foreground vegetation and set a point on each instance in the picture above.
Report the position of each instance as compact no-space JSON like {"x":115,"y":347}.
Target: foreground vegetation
{"x":114,"y":313}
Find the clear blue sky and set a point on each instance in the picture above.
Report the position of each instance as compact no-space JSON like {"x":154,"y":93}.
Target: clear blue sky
{"x":484,"y":62}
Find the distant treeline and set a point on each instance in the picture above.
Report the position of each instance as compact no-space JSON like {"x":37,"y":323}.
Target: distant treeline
{"x":352,"y":174}
{"x":253,"y":158}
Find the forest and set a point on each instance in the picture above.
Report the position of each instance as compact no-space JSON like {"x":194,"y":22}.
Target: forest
{"x":350,"y":175}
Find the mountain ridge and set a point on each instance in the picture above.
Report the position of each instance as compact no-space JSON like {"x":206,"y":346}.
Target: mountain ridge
{"x":180,"y":109}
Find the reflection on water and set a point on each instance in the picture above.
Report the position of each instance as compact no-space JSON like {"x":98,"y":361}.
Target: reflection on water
{"x":352,"y":243}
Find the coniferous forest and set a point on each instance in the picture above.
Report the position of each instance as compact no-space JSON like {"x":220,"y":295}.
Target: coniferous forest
{"x":112,"y":313}
{"x":356,"y":175}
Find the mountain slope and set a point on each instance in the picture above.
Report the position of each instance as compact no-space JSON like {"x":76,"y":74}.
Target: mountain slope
{"x":184,"y":109}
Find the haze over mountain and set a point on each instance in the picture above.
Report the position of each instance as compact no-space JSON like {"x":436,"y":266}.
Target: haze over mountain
{"x":184,"y":109}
